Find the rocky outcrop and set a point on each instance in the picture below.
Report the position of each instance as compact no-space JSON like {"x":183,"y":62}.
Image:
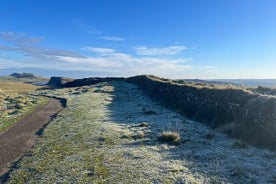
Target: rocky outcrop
{"x":67,"y":82}
{"x":23,"y":75}
{"x":58,"y":81}
{"x":240,"y":112}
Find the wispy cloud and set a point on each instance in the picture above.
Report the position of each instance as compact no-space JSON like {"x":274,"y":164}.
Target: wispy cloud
{"x":90,"y":29}
{"x":208,"y":67}
{"x":110,"y":60}
{"x":25,"y":46}
{"x":112,"y":38}
{"x":172,"y":50}
{"x":48,"y":52}
{"x":14,"y":54}
{"x":86,"y":27}
{"x":19,"y":38}
{"x":98,"y":50}
{"x":40,"y":52}
{"x":3,"y":47}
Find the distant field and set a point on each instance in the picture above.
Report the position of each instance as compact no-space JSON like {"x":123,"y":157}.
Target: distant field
{"x":15,"y":87}
{"x":15,"y":101}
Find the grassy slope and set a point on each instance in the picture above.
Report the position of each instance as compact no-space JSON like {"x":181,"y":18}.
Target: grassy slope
{"x":15,"y":102}
{"x":98,"y":139}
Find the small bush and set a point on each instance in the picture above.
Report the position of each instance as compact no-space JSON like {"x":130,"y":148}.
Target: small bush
{"x":170,"y":137}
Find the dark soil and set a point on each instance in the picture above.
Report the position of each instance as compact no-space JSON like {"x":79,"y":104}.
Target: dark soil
{"x":20,"y":138}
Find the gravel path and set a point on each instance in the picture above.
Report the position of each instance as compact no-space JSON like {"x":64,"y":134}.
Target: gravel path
{"x":19,"y":139}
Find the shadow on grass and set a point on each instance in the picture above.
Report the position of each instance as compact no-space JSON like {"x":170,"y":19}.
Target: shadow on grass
{"x":127,"y":108}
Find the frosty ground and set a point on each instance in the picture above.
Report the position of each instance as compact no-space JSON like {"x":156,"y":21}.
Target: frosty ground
{"x":109,"y":134}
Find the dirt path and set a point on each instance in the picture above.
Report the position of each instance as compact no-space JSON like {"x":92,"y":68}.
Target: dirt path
{"x":19,"y":139}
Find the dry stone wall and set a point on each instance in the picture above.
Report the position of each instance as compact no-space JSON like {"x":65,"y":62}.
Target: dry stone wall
{"x":241,"y":113}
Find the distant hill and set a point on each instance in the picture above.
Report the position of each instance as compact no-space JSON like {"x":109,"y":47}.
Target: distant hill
{"x":26,"y":78}
{"x":23,"y":75}
{"x":250,"y":82}
{"x":204,"y":82}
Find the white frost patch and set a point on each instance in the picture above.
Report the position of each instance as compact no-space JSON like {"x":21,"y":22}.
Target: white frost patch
{"x":204,"y":155}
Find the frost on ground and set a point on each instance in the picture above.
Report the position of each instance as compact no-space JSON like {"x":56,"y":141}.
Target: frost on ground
{"x":109,"y":134}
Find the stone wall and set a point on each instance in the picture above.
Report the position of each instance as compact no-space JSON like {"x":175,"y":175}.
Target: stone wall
{"x":90,"y":81}
{"x":241,"y":113}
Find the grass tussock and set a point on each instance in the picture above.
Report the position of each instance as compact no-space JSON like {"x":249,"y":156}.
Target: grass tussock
{"x":170,"y":137}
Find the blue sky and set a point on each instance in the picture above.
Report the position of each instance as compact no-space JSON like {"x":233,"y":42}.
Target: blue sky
{"x":206,"y":39}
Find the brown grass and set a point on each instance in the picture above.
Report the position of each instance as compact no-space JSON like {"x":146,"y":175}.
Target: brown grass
{"x":170,"y":137}
{"x":8,"y":87}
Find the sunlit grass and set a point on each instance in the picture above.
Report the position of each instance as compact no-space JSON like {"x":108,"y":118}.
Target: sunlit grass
{"x":9,"y":87}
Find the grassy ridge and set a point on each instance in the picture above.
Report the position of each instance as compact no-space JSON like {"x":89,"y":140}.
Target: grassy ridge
{"x":242,"y":113}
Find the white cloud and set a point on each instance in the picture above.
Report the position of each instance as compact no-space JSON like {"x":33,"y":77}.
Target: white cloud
{"x":109,"y":60}
{"x":172,"y":50}
{"x":19,"y":53}
{"x":112,"y":38}
{"x":91,"y":61}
